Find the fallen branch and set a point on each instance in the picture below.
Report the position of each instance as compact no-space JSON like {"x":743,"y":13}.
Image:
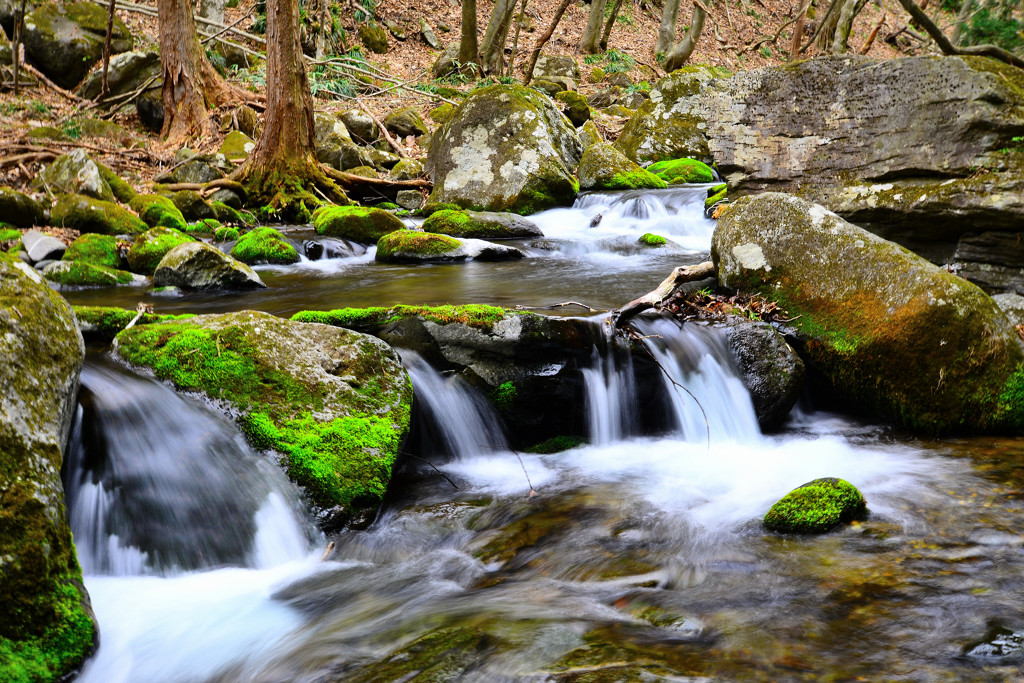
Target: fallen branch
{"x":655,"y":297}
{"x":50,"y":84}
{"x":401,"y":151}
{"x":219,"y":183}
{"x":29,"y":158}
{"x":435,"y":469}
{"x":947,"y":48}
{"x":350,"y":180}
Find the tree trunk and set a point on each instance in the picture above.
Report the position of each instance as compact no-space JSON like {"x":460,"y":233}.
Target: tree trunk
{"x":948,"y":48}
{"x":667,"y":30}
{"x":685,"y":47}
{"x":542,"y":41}
{"x":469,"y":50}
{"x":493,"y":48}
{"x":519,"y":19}
{"x":608,"y":25}
{"x":191,"y":84}
{"x":798,"y":32}
{"x":827,"y":28}
{"x":590,"y":42}
{"x":845,"y":24}
{"x":104,"y":85}
{"x":961,"y":19}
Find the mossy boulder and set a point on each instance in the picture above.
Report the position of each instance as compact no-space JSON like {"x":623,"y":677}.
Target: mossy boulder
{"x":447,"y":61}
{"x":364,"y":172}
{"x":891,"y":333}
{"x":374,"y":38}
{"x":46,"y":623}
{"x":360,"y":125}
{"x":102,"y":323}
{"x":237,"y":146}
{"x":816,"y":507}
{"x":715,"y":195}
{"x":84,"y":274}
{"x":649,"y":239}
{"x":76,"y":173}
{"x":99,"y":250}
{"x":126,"y":73}
{"x":150,"y":247}
{"x":226,"y":234}
{"x":364,"y":225}
{"x":86,"y":214}
{"x":335,"y":403}
{"x":405,"y":122}
{"x":605,"y":168}
{"x":197,"y":265}
{"x":574,"y":106}
{"x":18,"y":209}
{"x":561,"y":69}
{"x":506,"y":148}
{"x":589,"y":134}
{"x":264,"y":245}
{"x":481,"y":225}
{"x":679,"y":171}
{"x":442,"y":114}
{"x":64,"y":40}
{"x":414,"y":245}
{"x":228,"y":214}
{"x":407,"y":169}
{"x":158,"y":211}
{"x":192,"y":205}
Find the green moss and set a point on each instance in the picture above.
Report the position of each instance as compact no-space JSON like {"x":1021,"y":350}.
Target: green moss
{"x":480,"y":316}
{"x":361,"y":224}
{"x":82,"y":274}
{"x":716,"y":194}
{"x":9,"y":234}
{"x":557,"y":444}
{"x":264,"y":245}
{"x":401,"y":242}
{"x":1010,"y":405}
{"x":99,"y":250}
{"x":104,"y":322}
{"x":457,"y":223}
{"x":226,"y":234}
{"x":652,"y":240}
{"x":228,"y":215}
{"x":388,"y":206}
{"x":504,"y":395}
{"x":158,"y":211}
{"x":634,"y":180}
{"x":430,"y":209}
{"x":150,"y":247}
{"x":816,"y":507}
{"x":574,"y":106}
{"x":678,"y":171}
{"x":442,"y":114}
{"x":122,"y":190}
{"x":86,"y":214}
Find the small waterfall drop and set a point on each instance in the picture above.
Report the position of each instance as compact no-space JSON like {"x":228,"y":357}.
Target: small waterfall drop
{"x":610,"y":397}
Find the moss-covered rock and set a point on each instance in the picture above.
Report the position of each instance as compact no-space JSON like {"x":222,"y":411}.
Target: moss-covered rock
{"x":373,"y":319}
{"x":264,"y":245}
{"x":192,"y":205}
{"x":561,"y":69}
{"x":414,"y":245}
{"x":83,"y":274}
{"x":102,"y":323}
{"x":197,"y":265}
{"x":574,"y":106}
{"x":226,"y":234}
{"x":364,"y":172}
{"x":237,"y":146}
{"x":442,"y":114}
{"x":506,"y":148}
{"x":365,"y":225}
{"x":405,"y":122}
{"x":99,"y":250}
{"x":589,"y":134}
{"x":407,"y":169}
{"x":18,"y":209}
{"x":150,"y":247}
{"x":335,"y":403}
{"x":46,"y":624}
{"x":123,"y":192}
{"x":76,"y":173}
{"x":892,"y":333}
{"x":679,"y":171}
{"x":158,"y":211}
{"x":480,"y":225}
{"x":649,"y":239}
{"x":374,"y":38}
{"x":716,"y":194}
{"x":605,"y":168}
{"x":86,"y":214}
{"x":816,"y":507}
{"x":227,"y":214}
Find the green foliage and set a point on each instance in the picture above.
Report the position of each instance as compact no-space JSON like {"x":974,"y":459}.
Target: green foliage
{"x":9,"y":235}
{"x":72,"y":129}
{"x":504,"y":395}
{"x":323,"y":81}
{"x":226,"y":234}
{"x":615,"y":61}
{"x":996,"y":25}
{"x":816,"y":507}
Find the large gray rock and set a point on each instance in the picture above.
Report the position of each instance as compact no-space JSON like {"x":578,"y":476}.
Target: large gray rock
{"x":489,"y":225}
{"x":360,"y":125}
{"x":447,"y":62}
{"x":1012,"y":306}
{"x":891,"y":333}
{"x":76,"y":173}
{"x":19,"y":209}
{"x":41,"y":247}
{"x":45,"y":606}
{"x":127,"y":72}
{"x":197,"y":265}
{"x":506,"y":148}
{"x":992,"y":260}
{"x":64,"y":40}
{"x":561,"y":69}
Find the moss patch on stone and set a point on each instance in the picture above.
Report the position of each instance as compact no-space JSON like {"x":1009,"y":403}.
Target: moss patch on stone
{"x":158,"y":211}
{"x":557,"y":444}
{"x":480,"y":316}
{"x":82,"y":274}
{"x":574,"y":106}
{"x":605,"y":168}
{"x":679,"y":171}
{"x":651,"y":240}
{"x":86,"y":214}
{"x":264,"y":245}
{"x":9,"y":235}
{"x":716,"y":194}
{"x":226,"y":234}
{"x":414,"y":242}
{"x":365,"y":225}
{"x":122,"y":190}
{"x":104,"y":322}
{"x":150,"y":247}
{"x":816,"y":507}
{"x":99,"y":250}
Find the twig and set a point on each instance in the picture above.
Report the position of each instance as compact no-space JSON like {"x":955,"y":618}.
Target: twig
{"x":571,"y":303}
{"x":435,"y":469}
{"x":50,"y":84}
{"x":383,"y":131}
{"x":523,"y":465}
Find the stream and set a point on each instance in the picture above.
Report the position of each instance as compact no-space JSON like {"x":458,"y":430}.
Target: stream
{"x":635,"y":557}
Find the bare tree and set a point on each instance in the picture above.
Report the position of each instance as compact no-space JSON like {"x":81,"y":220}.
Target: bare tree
{"x":591,"y":40}
{"x":682,"y":50}
{"x":667,"y":30}
{"x":851,"y":8}
{"x":609,"y":23}
{"x":469,"y":50}
{"x":492,"y":49}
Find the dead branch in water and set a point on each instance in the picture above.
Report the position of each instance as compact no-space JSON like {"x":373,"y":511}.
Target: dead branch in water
{"x":655,"y":297}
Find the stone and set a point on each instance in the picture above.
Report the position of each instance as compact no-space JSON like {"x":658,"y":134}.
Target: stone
{"x":149,"y":248}
{"x":506,"y":148}
{"x":605,"y":168}
{"x":127,"y":72}
{"x":429,"y":37}
{"x":329,"y":128}
{"x":558,"y":69}
{"x":682,"y":171}
{"x":409,"y":199}
{"x":407,"y":169}
{"x":993,"y":260}
{"x":481,"y":224}
{"x":195,"y":265}
{"x":64,"y":40}
{"x":816,"y":507}
{"x":264,"y":245}
{"x":374,"y":38}
{"x":447,"y":62}
{"x":365,"y":225}
{"x":237,"y":146}
{"x":890,"y":333}
{"x":549,"y":88}
{"x":192,"y":205}
{"x":84,"y":274}
{"x":605,"y":97}
{"x":414,"y":246}
{"x":19,"y":209}
{"x":1012,"y":306}
{"x":46,"y":623}
{"x":99,"y":250}
{"x":85,"y":214}
{"x":574,"y":106}
{"x":335,"y":404}
{"x":158,"y":211}
{"x":40,"y":246}
{"x":618,"y":110}
{"x":621,"y":79}
{"x":227,"y":198}
{"x":360,"y":126}
{"x":405,"y":122}
{"x":589,"y":134}
{"x":76,"y":173}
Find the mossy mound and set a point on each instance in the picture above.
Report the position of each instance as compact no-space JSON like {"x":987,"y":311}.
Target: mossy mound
{"x":374,"y":38}
{"x":442,"y":114}
{"x":605,"y":168}
{"x":335,"y":403}
{"x":150,"y":247}
{"x":574,"y":106}
{"x":82,"y":274}
{"x":356,"y":223}
{"x":228,"y":215}
{"x":679,"y":171}
{"x":86,"y":214}
{"x":8,"y":234}
{"x":158,"y":211}
{"x":192,"y":205}
{"x":405,"y":122}
{"x":123,"y":192}
{"x":99,"y":250}
{"x":816,"y":507}
{"x":102,"y":323}
{"x":370,"y":320}
{"x":406,"y":245}
{"x":480,"y":225}
{"x":649,"y":239}
{"x":264,"y":245}
{"x":430,"y":208}
{"x":19,"y":209}
{"x":715,"y":195}
{"x":226,"y":234}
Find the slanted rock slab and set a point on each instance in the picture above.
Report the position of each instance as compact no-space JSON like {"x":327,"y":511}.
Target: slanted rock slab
{"x":197,"y":265}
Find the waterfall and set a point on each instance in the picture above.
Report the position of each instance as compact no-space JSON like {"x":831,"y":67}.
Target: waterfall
{"x":610,"y":397}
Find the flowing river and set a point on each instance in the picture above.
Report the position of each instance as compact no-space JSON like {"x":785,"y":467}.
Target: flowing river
{"x":636,"y":557}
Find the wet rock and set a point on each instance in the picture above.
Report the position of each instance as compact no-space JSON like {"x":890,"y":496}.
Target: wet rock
{"x":85,"y":274}
{"x":1001,"y":646}
{"x":150,"y":247}
{"x":86,"y":214}
{"x":506,"y":148}
{"x":19,"y":209}
{"x":405,"y":122}
{"x":360,"y":126}
{"x":196,"y":265}
{"x":46,"y":608}
{"x":313,"y":250}
{"x":481,"y":224}
{"x":414,"y":246}
{"x":158,"y":211}
{"x":192,"y":205}
{"x":76,"y":173}
{"x":409,"y":199}
{"x":557,"y":69}
{"x":605,"y":168}
{"x":264,"y":245}
{"x":889,"y":332}
{"x":1012,"y":306}
{"x":40,"y":246}
{"x":356,"y":223}
{"x":816,"y":507}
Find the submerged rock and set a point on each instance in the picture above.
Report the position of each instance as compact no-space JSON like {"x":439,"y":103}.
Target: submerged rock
{"x":334,"y":402}
{"x":46,"y":623}
{"x":816,"y":507}
{"x":196,"y":265}
{"x":481,"y":224}
{"x":891,"y":333}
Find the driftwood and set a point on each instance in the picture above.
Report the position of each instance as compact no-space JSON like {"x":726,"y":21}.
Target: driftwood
{"x":655,"y":297}
{"x":351,"y":180}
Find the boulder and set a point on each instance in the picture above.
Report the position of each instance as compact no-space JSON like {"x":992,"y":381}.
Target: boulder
{"x":336,"y":404}
{"x":237,"y":146}
{"x":99,"y":250}
{"x":557,"y":69}
{"x":85,"y":274}
{"x":481,"y":224}
{"x":429,"y":37}
{"x":605,"y":168}
{"x":356,"y":223}
{"x":374,"y":38}
{"x":447,"y":62}
{"x":589,"y":134}
{"x":441,"y":114}
{"x":888,"y":331}
{"x":993,"y":260}
{"x":127,"y":72}
{"x":64,"y":40}
{"x":192,"y":205}
{"x":245,"y":120}
{"x":19,"y":209}
{"x":86,"y":214}
{"x":264,"y":245}
{"x":158,"y":211}
{"x":407,"y":169}
{"x":405,"y":122}
{"x":409,"y":199}
{"x":360,"y":126}
{"x":195,"y":265}
{"x":150,"y":247}
{"x":574,"y":106}
{"x":816,"y":507}
{"x":1012,"y":306}
{"x":46,"y":622}
{"x":414,"y":246}
{"x":76,"y":173}
{"x":41,"y":247}
{"x":680,"y":171}
{"x":506,"y":148}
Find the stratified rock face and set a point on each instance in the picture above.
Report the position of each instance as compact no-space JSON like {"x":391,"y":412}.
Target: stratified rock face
{"x":197,"y":265}
{"x":892,"y":333}
{"x":506,"y":148}
{"x":45,"y":623}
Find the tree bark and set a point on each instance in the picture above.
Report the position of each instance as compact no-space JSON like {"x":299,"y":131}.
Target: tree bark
{"x":542,"y":41}
{"x":104,"y":86}
{"x":667,"y":30}
{"x":191,"y":84}
{"x":608,"y":25}
{"x":685,"y":47}
{"x":826,"y":30}
{"x":845,"y":24}
{"x":798,"y":32}
{"x":961,"y":19}
{"x":469,"y":50}
{"x":655,"y":297}
{"x":493,"y":47}
{"x":590,"y":42}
